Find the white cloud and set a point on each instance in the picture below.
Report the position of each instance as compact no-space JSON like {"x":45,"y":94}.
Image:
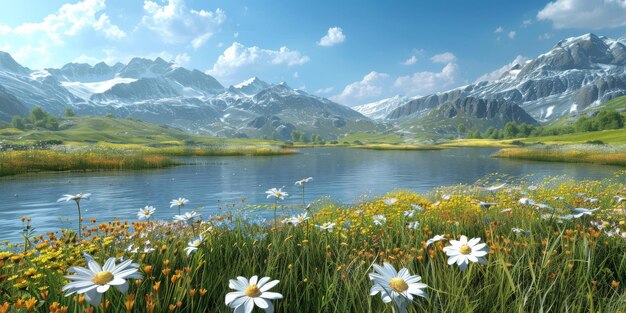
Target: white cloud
{"x":182,"y":59}
{"x":375,"y":85}
{"x":446,"y":57}
{"x":325,"y":90}
{"x":69,"y":20}
{"x":499,"y":30}
{"x":422,"y":83}
{"x":545,"y":36}
{"x":498,"y":72}
{"x":594,"y":14}
{"x":238,"y":56}
{"x":333,"y":36}
{"x":175,"y":23}
{"x":512,"y":34}
{"x":296,"y":75}
{"x":526,"y":23}
{"x":370,"y":87}
{"x":410,"y":61}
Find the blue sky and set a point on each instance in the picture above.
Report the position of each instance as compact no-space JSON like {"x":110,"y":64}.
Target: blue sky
{"x":353,"y":52}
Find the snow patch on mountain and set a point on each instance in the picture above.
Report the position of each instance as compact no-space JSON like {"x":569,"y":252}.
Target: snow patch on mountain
{"x":86,"y":90}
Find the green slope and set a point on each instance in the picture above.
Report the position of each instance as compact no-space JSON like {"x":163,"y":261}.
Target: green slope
{"x":91,"y":129}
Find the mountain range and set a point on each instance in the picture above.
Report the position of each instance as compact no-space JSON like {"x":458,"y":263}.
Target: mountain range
{"x":162,"y":92}
{"x":576,"y":74}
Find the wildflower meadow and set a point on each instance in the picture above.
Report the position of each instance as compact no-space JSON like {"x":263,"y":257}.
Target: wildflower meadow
{"x":494,"y":246}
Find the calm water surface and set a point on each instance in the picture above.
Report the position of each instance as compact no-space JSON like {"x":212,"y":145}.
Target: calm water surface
{"x":342,"y":174}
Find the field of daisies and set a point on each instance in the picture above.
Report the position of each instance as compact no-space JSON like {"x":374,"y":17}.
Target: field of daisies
{"x":499,"y":245}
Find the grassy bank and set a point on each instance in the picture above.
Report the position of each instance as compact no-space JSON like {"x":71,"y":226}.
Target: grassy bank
{"x":596,"y":154}
{"x":396,"y":147}
{"x":19,"y":162}
{"x":116,"y":157}
{"x":560,"y":265}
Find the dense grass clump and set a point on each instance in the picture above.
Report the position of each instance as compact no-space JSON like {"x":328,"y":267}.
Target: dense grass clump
{"x":590,"y":153}
{"x":18,"y":162}
{"x":557,"y":264}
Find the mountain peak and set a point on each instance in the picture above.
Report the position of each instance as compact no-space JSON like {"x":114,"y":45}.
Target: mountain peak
{"x":252,"y":81}
{"x":7,"y":63}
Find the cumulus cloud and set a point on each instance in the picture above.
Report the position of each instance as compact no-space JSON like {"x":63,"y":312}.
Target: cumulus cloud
{"x":333,"y":36}
{"x":325,"y":90}
{"x":499,"y":30}
{"x":176,"y":23}
{"x":410,"y":61}
{"x":446,"y":57}
{"x":33,"y":43}
{"x":375,"y":85}
{"x":70,"y":20}
{"x":237,"y":56}
{"x":421,"y":83}
{"x":498,"y":72}
{"x":526,"y":23}
{"x":594,"y":14}
{"x":369,"y":88}
{"x":512,"y":34}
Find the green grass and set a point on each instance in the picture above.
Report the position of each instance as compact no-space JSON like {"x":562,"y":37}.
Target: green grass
{"x":91,"y":129}
{"x":106,"y":143}
{"x":396,"y":147}
{"x":571,"y":154}
{"x":371,"y":138}
{"x":560,"y":267}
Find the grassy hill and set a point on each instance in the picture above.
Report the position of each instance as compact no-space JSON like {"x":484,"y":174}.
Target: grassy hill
{"x":94,"y":129}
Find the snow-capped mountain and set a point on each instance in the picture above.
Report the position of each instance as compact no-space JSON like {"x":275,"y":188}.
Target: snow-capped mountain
{"x":576,"y":73}
{"x":162,"y":92}
{"x":380,"y":109}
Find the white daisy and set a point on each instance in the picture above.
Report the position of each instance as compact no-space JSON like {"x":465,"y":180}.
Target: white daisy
{"x":520,"y":231}
{"x":251,"y":293}
{"x":409,"y":213}
{"x":463,"y":251}
{"x":145,"y":212}
{"x":304,"y":181}
{"x":390,"y":201}
{"x":417,"y":207}
{"x":526,"y":201}
{"x":178,"y":202}
{"x":379,"y":219}
{"x":399,"y":287}
{"x":95,"y":280}
{"x":193,"y":245}
{"x":414,"y":225}
{"x":76,"y":197}
{"x":494,"y":188}
{"x":435,"y":239}
{"x":277,"y":193}
{"x":187,"y":217}
{"x":328,"y":226}
{"x":296,"y":220}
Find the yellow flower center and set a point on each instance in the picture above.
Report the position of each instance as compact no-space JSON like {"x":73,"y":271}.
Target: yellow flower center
{"x":465,"y":249}
{"x":102,"y":278}
{"x":252,"y":291}
{"x":398,"y":284}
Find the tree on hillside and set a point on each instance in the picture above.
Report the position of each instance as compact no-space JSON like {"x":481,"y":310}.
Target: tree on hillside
{"x":510,"y":130}
{"x":18,"y":122}
{"x":460,"y":129}
{"x":69,"y":112}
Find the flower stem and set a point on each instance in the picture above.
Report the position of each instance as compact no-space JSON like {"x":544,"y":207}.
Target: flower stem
{"x":80,"y":220}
